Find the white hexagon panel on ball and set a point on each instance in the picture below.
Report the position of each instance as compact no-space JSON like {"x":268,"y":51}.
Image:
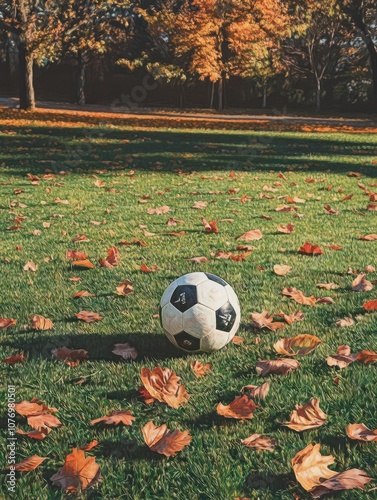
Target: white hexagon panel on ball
{"x":211,"y":294}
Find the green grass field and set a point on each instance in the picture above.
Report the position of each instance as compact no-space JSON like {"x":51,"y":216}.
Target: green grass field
{"x":170,"y":165}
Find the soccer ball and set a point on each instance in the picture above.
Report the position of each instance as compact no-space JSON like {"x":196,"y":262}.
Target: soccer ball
{"x":200,"y":312}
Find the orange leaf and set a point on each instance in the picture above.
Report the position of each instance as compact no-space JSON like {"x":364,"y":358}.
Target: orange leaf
{"x":299,"y":297}
{"x":310,"y":467}
{"x":7,"y":322}
{"x":309,"y":249}
{"x":41,"y":420}
{"x":237,"y":340}
{"x":16,"y":358}
{"x":125,"y":288}
{"x":291,"y":318}
{"x":330,"y":210}
{"x":276,"y":366}
{"x":83,"y":293}
{"x":88,"y":317}
{"x":307,"y":416}
{"x":70,"y":356}
{"x":41,"y":323}
{"x":159,"y":210}
{"x":305,"y":343}
{"x":30,"y":266}
{"x":288,"y":229}
{"x":199,"y":369}
{"x":242,"y":407}
{"x":257,"y":391}
{"x":164,"y":385}
{"x":173,"y":222}
{"x":115,"y":417}
{"x":176,"y":234}
{"x":210,"y":227}
{"x":253,"y":234}
{"x":164,"y":441}
{"x":371,"y":305}
{"x":265,"y":320}
{"x":28,"y":464}
{"x":366,"y":357}
{"x":198,"y":260}
{"x":90,"y":446}
{"x":369,"y":237}
{"x":83,"y":263}
{"x":361,"y":284}
{"x":147,"y":269}
{"x":361,"y":432}
{"x":343,"y":357}
{"x":75,"y":254}
{"x":32,"y":407}
{"x":38,"y":434}
{"x":259,"y":442}
{"x":78,"y":472}
{"x":80,"y":238}
{"x":281,"y":269}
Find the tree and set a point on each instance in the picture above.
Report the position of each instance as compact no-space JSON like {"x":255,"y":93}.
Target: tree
{"x":362,"y":15}
{"x":91,"y":28}
{"x":314,"y":48}
{"x":34,"y":27}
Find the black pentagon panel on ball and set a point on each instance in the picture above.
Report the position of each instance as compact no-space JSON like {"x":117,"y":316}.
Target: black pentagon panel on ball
{"x":215,"y":278}
{"x":187,"y":342}
{"x":225,"y":317}
{"x":184,"y":297}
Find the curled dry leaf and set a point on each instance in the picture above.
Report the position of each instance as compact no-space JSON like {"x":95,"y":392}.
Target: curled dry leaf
{"x":343,"y":357}
{"x":303,"y":343}
{"x":15,"y":358}
{"x":71,"y":357}
{"x":345,"y":322}
{"x":42,"y":420}
{"x":370,"y":269}
{"x":361,"y":432}
{"x":88,"y":316}
{"x":368,"y":237}
{"x":347,"y":480}
{"x":38,"y":434}
{"x":372,"y":207}
{"x":327,"y":286}
{"x":164,"y":441}
{"x":371,"y":305}
{"x":164,"y":385}
{"x":299,"y":297}
{"x":366,"y":357}
{"x":126,"y":351}
{"x":282,"y":269}
{"x":237,"y":340}
{"x":148,"y":399}
{"x":41,"y":323}
{"x":173,"y":222}
{"x":176,"y":234}
{"x":210,"y":227}
{"x":361,"y":284}
{"x":259,"y":442}
{"x":198,"y":260}
{"x":265,"y":320}
{"x":253,"y":234}
{"x":310,"y":467}
{"x":257,"y":391}
{"x":80,"y":238}
{"x":112,"y":258}
{"x":199,"y":369}
{"x":284,"y":208}
{"x":199,"y":205}
{"x":78,"y":472}
{"x":7,"y":322}
{"x":125,"y":288}
{"x":276,"y":366}
{"x":330,"y":210}
{"x":151,"y":269}
{"x":307,"y":416}
{"x":28,"y":464}
{"x":83,"y":293}
{"x":86,"y":264}
{"x":159,"y":210}
{"x":115,"y":418}
{"x":242,"y":408}
{"x":291,"y":318}
{"x":325,"y":300}
{"x":310,"y":249}
{"x":287,"y":229}
{"x":89,"y":446}
{"x":33,"y":407}
{"x":30,"y":266}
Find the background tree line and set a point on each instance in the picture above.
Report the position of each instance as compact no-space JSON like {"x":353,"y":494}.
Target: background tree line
{"x":297,"y":51}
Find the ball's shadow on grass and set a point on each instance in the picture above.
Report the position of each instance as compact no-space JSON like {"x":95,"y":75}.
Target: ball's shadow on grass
{"x":149,"y":346}
{"x":127,"y":450}
{"x":264,"y":481}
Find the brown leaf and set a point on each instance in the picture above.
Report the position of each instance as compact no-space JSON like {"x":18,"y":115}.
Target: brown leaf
{"x":164,"y":385}
{"x":30,"y":266}
{"x":83,"y":293}
{"x":347,"y":480}
{"x":164,"y":441}
{"x":237,"y":340}
{"x":28,"y":464}
{"x":371,"y":305}
{"x":253,"y":234}
{"x":299,"y":297}
{"x":115,"y":417}
{"x":147,"y":269}
{"x":307,"y":416}
{"x":361,"y":432}
{"x":126,"y":351}
{"x":16,"y":358}
{"x":325,"y":300}
{"x":83,"y":263}
{"x":99,"y":183}
{"x":284,"y":208}
{"x":372,"y":206}
{"x":288,"y":229}
{"x":173,"y":222}
{"x":41,"y":323}
{"x":265,"y":320}
{"x":199,"y":205}
{"x":71,"y":357}
{"x":368,"y":237}
{"x":7,"y":322}
{"x":291,"y":318}
{"x":199,"y":369}
{"x":276,"y":366}
{"x":42,"y":420}
{"x":78,"y":472}
{"x":310,"y":249}
{"x":259,"y":442}
{"x":242,"y":407}
{"x":26,"y":408}
{"x":366,"y":357}
{"x":176,"y":234}
{"x":159,"y":210}
{"x":257,"y":391}
{"x":125,"y":288}
{"x":80,"y":238}
{"x":148,"y":399}
{"x":327,"y":286}
{"x":210,"y":227}
{"x":361,"y":284}
{"x":304,"y":343}
{"x":88,"y":316}
{"x":310,"y":467}
{"x":343,"y":357}
{"x":198,"y":260}
{"x":38,"y":434}
{"x":90,"y":446}
{"x":345,"y":322}
{"x":330,"y":210}
{"x":282,"y":269}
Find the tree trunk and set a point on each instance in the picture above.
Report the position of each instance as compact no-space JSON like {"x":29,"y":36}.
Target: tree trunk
{"x":372,"y":49}
{"x":318,"y":97}
{"x":212,"y":95}
{"x":220,"y":90}
{"x":80,"y":79}
{"x":264,"y":103}
{"x":27,"y":96}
